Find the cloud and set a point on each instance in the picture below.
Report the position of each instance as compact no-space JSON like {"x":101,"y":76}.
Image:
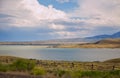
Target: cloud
{"x":70,"y":34}
{"x":29,"y":12}
{"x":63,"y":1}
{"x":89,"y":18}
{"x":102,"y":12}
{"x":57,"y":27}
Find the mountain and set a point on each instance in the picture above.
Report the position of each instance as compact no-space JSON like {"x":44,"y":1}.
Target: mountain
{"x":67,"y":41}
{"x":86,"y":39}
{"x":93,"y":38}
{"x":115,"y":35}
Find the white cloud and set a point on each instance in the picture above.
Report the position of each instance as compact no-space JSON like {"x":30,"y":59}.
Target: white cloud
{"x":80,"y":22}
{"x":68,"y":34}
{"x":62,"y":1}
{"x":57,"y":27}
{"x":29,"y":12}
{"x":99,"y":12}
{"x":63,"y":34}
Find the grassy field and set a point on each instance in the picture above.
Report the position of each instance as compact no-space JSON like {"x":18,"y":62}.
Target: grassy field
{"x":15,"y":67}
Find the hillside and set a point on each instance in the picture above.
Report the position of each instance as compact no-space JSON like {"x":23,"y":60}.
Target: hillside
{"x":117,"y":60}
{"x":105,"y":36}
{"x":107,"y":43}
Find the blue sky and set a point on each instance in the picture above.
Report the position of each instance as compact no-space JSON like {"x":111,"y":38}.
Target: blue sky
{"x":64,"y":6}
{"x":26,"y":20}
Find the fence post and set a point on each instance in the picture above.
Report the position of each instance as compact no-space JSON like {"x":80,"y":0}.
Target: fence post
{"x":113,"y":67}
{"x":7,"y":60}
{"x":92,"y":67}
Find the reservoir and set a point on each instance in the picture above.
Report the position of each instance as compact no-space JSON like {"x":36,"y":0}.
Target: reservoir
{"x":64,"y":54}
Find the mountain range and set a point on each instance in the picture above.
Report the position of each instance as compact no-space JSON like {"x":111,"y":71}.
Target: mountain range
{"x":115,"y":35}
{"x":87,"y":39}
{"x":92,"y":39}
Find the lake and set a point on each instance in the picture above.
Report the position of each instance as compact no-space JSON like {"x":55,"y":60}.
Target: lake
{"x":65,"y":54}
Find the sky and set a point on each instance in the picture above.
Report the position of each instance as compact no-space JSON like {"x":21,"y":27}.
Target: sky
{"x":29,"y":20}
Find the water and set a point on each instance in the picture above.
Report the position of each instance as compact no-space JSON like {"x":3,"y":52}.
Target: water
{"x":66,"y":54}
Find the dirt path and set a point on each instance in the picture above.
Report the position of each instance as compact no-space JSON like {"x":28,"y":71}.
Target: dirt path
{"x":8,"y":75}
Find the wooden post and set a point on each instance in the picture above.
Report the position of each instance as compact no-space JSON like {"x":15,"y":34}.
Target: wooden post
{"x":7,"y":60}
{"x":113,"y":67}
{"x":92,"y":67}
{"x":38,"y":62}
{"x":72,"y":65}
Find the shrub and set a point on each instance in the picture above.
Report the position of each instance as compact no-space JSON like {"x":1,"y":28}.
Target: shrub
{"x":75,"y":74}
{"x":92,"y":74}
{"x":4,"y":68}
{"x":38,"y":71}
{"x":61,"y":73}
{"x":116,"y":72}
{"x":22,"y":65}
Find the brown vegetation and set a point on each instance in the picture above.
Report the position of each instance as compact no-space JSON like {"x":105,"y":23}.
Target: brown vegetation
{"x":107,"y":43}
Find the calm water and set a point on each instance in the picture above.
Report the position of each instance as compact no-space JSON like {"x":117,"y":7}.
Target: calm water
{"x":68,"y":54}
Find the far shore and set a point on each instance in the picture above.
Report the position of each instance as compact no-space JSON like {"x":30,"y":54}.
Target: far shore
{"x":107,"y":43}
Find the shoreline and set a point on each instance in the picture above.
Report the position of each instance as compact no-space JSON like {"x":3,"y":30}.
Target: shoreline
{"x":84,"y":46}
{"x":105,"y":43}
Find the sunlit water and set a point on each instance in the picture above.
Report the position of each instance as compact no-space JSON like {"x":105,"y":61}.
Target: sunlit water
{"x":66,"y":54}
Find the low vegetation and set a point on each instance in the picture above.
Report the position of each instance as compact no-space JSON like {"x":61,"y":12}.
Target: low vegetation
{"x":4,"y":67}
{"x":17,"y":65}
{"x":38,"y":71}
{"x":23,"y":65}
{"x":31,"y":68}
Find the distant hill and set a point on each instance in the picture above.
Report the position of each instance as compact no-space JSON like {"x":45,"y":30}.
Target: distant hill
{"x":107,"y":43}
{"x":117,"y":60}
{"x":100,"y":37}
{"x":65,"y":41}
{"x":87,"y":39}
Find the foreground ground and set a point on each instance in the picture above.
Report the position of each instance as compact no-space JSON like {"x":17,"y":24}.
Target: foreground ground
{"x":14,"y":67}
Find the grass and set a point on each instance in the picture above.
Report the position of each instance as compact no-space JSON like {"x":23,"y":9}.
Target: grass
{"x":22,"y":64}
{"x":38,"y":71}
{"x":99,"y":74}
{"x":4,"y":68}
{"x":17,"y":65}
{"x":61,"y":69}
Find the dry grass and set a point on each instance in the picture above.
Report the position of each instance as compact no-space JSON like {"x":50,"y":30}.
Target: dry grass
{"x":108,"y":43}
{"x":67,"y":69}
